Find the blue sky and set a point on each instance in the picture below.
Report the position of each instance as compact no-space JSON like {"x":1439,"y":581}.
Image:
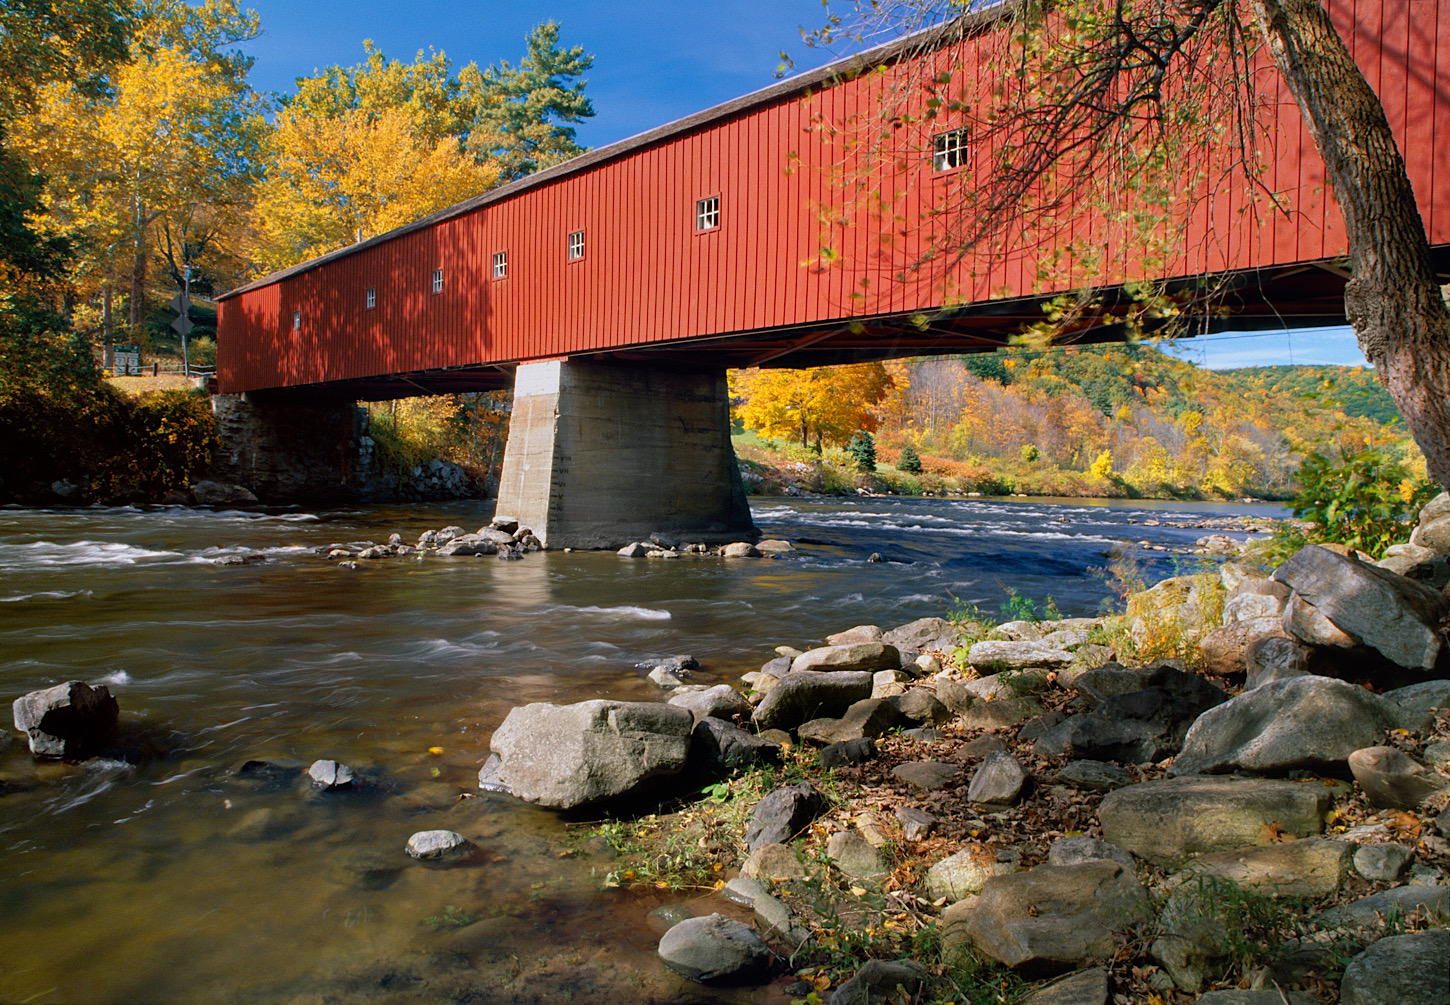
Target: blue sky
{"x":654,"y":61}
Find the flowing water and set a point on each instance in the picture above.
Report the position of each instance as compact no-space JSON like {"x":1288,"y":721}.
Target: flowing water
{"x":162,"y":874}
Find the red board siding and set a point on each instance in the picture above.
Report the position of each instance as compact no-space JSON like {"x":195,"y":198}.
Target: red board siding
{"x":648,"y":277}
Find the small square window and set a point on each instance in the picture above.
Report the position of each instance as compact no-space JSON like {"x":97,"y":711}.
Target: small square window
{"x":949,"y":150}
{"x":437,"y":280}
{"x":372,"y":297}
{"x":707,"y":213}
{"x":500,"y":264}
{"x":297,"y":321}
{"x":576,"y":245}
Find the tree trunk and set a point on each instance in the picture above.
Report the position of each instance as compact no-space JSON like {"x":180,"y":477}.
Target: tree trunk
{"x":137,"y":307}
{"x":1394,"y":300}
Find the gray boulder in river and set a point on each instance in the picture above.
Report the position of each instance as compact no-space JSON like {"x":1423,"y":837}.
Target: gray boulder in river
{"x":69,"y":720}
{"x":562,"y":756}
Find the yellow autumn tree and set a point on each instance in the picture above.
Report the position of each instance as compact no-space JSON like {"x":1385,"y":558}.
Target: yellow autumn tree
{"x":825,"y":405}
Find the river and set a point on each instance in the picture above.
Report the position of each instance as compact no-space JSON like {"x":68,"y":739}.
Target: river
{"x":162,"y":875}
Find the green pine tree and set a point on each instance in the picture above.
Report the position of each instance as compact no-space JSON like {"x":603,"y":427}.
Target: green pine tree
{"x":862,"y":449}
{"x":909,"y":462}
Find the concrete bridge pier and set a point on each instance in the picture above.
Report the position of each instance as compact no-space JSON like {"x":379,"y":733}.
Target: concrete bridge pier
{"x":602,"y":454}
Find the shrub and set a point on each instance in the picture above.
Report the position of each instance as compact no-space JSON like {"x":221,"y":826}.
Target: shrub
{"x":1367,"y":501}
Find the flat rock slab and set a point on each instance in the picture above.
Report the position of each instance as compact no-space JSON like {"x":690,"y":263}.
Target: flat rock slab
{"x":562,"y":756}
{"x":1431,"y":901}
{"x":926,"y":774}
{"x":1388,"y":612}
{"x":1310,"y":868}
{"x":1086,"y":987}
{"x":1176,"y":817}
{"x":1080,"y":848}
{"x":716,"y":950}
{"x":853,"y":656}
{"x":1019,"y":656}
{"x":803,"y":695}
{"x":1401,"y":970}
{"x":1301,"y":722}
{"x":1053,"y":918}
{"x":1095,"y":776}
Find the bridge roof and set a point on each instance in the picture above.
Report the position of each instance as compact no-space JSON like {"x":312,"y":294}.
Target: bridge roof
{"x":844,"y":67}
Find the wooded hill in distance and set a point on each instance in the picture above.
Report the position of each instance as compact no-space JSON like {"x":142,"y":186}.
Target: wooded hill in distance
{"x":1126,"y":419}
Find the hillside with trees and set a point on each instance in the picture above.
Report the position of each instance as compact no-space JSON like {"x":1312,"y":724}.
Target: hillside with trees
{"x":1124,"y":419}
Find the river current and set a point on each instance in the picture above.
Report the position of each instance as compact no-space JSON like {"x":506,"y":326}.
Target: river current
{"x":161,"y":874}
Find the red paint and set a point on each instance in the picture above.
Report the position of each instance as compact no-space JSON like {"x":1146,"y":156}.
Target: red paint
{"x":648,"y":279}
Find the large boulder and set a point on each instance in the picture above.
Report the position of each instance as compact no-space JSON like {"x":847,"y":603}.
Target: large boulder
{"x":721,"y":701}
{"x":1418,"y":703}
{"x":802,"y":695}
{"x":869,"y":717}
{"x":1274,"y":657}
{"x":1173,"y":818}
{"x":564,"y":756}
{"x":719,"y":745}
{"x":1142,"y":725}
{"x":1400,"y":970}
{"x":1054,"y":918}
{"x":1301,"y":722}
{"x":1019,"y":656}
{"x":923,"y":634}
{"x":852,"y":656}
{"x":716,"y":950}
{"x":1387,"y":612}
{"x":70,"y":720}
{"x":1225,"y":649}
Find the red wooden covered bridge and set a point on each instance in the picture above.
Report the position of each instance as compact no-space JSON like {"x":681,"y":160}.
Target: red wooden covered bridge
{"x":613,"y":290}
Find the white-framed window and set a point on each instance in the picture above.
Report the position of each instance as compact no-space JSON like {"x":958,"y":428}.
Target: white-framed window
{"x":500,"y":264}
{"x":949,"y":150}
{"x":297,"y":321}
{"x":576,"y":245}
{"x":707,"y":213}
{"x":372,"y":297}
{"x":437,"y":280}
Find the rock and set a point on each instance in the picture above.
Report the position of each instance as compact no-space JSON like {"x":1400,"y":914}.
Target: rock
{"x":982,"y":746}
{"x":1303,"y":620}
{"x":965,"y":873}
{"x":1033,"y":728}
{"x":809,"y":694}
{"x":467,"y":544}
{"x":716,"y":950}
{"x":636,"y":549}
{"x":1100,"y":683}
{"x":1000,"y":779}
{"x":562,"y":756}
{"x":744,"y":891}
{"x":782,"y":814}
{"x":773,"y":862}
{"x":1053,"y":918}
{"x":1433,"y":902}
{"x":889,"y":683}
{"x":869,"y":717}
{"x":854,"y":856}
{"x":1309,"y":868}
{"x":1138,"y":726}
{"x":920,"y":705}
{"x":1392,"y":779}
{"x":70,"y":720}
{"x":878,"y":982}
{"x":1225,"y":649}
{"x":774,"y":547}
{"x":851,"y":636}
{"x":1086,"y":987}
{"x":1437,"y":755}
{"x":1302,"y":722}
{"x":1076,"y":850}
{"x":667,"y":678}
{"x":507,"y":524}
{"x":1274,"y":657}
{"x":1172,"y":818}
{"x":780,"y":925}
{"x":847,"y":752}
{"x":1006,"y":685}
{"x":1400,"y":970}
{"x":680,"y":666}
{"x":438,"y":846}
{"x":721,"y":701}
{"x":719,"y":745}
{"x":210,"y":493}
{"x":1004,"y":713}
{"x":331,"y":775}
{"x":447,"y":534}
{"x":1017,"y":631}
{"x":853,"y":656}
{"x":916,"y":824}
{"x":1417,"y":704}
{"x":1387,"y":612}
{"x":488,"y":776}
{"x":740,"y":549}
{"x":1095,"y":776}
{"x":1382,"y":862}
{"x":923,"y":634}
{"x":925,"y":774}
{"x":1236,"y":997}
{"x":954,"y":695}
{"x":923,"y":734}
{"x":1018,"y":656}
